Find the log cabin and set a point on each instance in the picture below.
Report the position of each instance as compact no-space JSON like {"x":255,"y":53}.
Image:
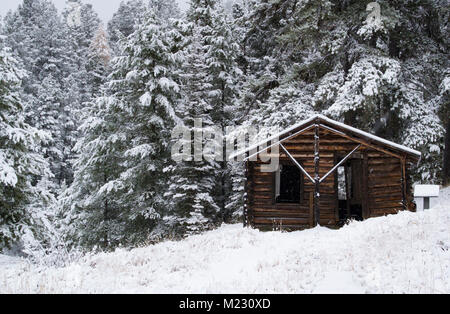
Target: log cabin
{"x":327,"y":174}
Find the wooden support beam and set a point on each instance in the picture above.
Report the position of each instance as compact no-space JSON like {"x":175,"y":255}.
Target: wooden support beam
{"x":339,"y":164}
{"x":296,"y":163}
{"x":316,"y":175}
{"x":311,"y":209}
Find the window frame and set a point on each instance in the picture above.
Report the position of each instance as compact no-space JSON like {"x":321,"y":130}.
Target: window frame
{"x":274,"y":184}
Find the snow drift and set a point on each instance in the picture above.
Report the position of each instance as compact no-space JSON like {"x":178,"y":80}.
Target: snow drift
{"x":404,"y":253}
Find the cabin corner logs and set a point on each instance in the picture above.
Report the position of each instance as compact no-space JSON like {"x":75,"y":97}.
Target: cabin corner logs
{"x":375,"y":172}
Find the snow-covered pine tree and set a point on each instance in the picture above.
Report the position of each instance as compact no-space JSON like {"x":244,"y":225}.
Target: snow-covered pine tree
{"x":97,"y":67}
{"x":129,"y":14}
{"x":239,"y":17}
{"x":35,"y":33}
{"x":123,"y":22}
{"x":82,"y":24}
{"x":241,"y":24}
{"x":165,"y":9}
{"x":201,"y":188}
{"x":37,"y":36}
{"x":421,"y":127}
{"x":50,"y":101}
{"x":382,"y":88}
{"x":22,"y":167}
{"x":213,"y":33}
{"x":118,"y":191}
{"x":193,"y":208}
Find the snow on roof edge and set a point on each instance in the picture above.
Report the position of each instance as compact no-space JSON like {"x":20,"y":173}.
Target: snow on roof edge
{"x":374,"y":137}
{"x":331,"y":121}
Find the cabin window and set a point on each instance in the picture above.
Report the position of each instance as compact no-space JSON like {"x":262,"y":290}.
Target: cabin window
{"x":426,"y":203}
{"x":287,"y":184}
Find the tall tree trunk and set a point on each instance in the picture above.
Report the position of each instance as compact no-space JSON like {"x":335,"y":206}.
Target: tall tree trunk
{"x":223,"y":192}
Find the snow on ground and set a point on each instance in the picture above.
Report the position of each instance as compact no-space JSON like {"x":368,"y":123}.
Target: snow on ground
{"x":404,"y":253}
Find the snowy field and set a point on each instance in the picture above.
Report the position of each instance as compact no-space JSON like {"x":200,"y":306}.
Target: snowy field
{"x":405,"y":253}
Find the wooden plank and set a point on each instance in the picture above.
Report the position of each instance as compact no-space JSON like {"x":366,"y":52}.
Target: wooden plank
{"x":325,"y":148}
{"x":383,"y":161}
{"x":385,"y":211}
{"x":386,"y":204}
{"x":382,"y":183}
{"x":384,"y":198}
{"x":262,"y":188}
{"x":262,"y":180}
{"x":305,"y":156}
{"x":387,"y":176}
{"x":397,"y":173}
{"x":384,"y":190}
{"x":288,"y":221}
{"x":282,"y":211}
{"x":284,"y":226}
{"x":385,"y":168}
{"x":325,"y":141}
{"x":277,"y":215}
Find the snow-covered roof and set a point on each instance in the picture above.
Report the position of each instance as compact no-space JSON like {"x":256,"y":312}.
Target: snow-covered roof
{"x":426,"y":191}
{"x":340,"y":125}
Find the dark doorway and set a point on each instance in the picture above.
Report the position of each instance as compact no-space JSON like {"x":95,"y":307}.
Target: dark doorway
{"x":349,"y":192}
{"x":288,"y":183}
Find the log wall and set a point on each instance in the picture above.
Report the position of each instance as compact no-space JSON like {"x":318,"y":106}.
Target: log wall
{"x":385,"y":194}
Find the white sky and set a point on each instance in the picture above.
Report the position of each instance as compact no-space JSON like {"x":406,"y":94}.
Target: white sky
{"x":104,"y":8}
